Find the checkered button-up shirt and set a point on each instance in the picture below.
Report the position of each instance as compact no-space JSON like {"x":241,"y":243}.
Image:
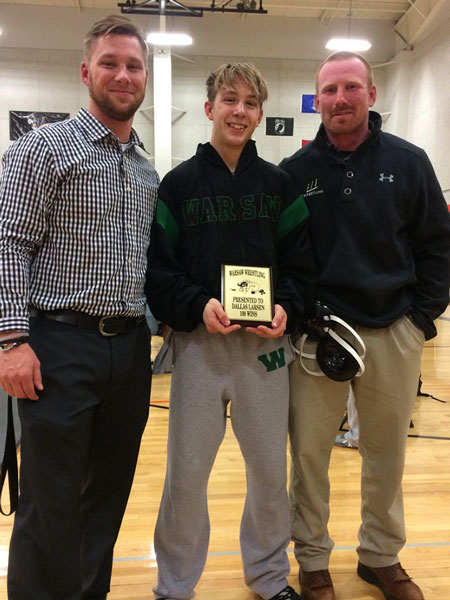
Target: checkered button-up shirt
{"x":75,"y":217}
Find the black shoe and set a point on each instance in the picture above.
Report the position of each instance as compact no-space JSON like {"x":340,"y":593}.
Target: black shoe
{"x":287,"y":593}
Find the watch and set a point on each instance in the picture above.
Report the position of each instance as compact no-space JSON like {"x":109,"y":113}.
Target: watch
{"x":7,"y":345}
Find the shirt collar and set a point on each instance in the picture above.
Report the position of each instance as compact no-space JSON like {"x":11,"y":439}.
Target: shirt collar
{"x":95,"y":130}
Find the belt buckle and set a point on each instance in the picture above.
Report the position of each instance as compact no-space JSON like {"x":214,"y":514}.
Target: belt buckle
{"x":101,"y":327}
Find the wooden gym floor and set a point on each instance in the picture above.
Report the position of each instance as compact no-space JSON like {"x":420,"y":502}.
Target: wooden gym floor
{"x":426,"y":493}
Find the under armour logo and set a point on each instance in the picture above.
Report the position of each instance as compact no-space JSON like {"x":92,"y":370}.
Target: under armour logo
{"x":389,"y":178}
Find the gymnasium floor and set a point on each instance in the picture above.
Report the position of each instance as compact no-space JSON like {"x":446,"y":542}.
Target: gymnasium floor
{"x":426,"y":494}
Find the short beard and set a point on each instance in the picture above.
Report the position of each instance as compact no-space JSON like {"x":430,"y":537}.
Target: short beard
{"x":110,"y":109}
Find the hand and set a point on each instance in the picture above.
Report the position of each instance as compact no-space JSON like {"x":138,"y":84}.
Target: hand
{"x":279,"y":322}
{"x":20,"y":372}
{"x":216,"y":320}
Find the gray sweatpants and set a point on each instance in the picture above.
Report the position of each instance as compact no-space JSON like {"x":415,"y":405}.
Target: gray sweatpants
{"x":210,"y":371}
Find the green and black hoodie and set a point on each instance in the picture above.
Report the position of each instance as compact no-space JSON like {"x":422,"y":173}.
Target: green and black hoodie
{"x":208,"y":216}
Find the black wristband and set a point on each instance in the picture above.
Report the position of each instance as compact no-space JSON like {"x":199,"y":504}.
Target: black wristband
{"x":7,"y":345}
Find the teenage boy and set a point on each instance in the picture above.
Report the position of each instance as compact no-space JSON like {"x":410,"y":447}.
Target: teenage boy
{"x":226,"y":205}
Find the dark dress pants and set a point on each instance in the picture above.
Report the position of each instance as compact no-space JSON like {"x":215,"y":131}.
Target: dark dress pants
{"x":79,"y":449}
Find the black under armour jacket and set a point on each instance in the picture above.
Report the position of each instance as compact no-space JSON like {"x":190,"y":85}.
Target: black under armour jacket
{"x":207,"y":216}
{"x":379,"y":226}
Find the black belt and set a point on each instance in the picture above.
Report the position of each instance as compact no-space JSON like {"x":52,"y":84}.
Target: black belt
{"x":107,"y":326}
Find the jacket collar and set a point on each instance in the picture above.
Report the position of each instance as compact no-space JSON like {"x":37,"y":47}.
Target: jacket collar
{"x":210,"y":154}
{"x":374,"y":126}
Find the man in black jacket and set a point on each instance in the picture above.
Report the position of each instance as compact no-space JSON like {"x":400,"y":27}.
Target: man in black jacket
{"x":381,"y":236}
{"x":227,"y":206}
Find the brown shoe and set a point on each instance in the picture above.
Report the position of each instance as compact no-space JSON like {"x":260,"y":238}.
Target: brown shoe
{"x":316,"y":585}
{"x":393,"y":581}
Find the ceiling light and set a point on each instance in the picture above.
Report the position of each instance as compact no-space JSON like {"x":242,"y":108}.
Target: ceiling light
{"x":351,"y":45}
{"x":348,"y":44}
{"x":169,"y":39}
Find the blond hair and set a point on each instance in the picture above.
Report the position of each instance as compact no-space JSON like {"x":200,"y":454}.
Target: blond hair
{"x":116,"y":25}
{"x":228,"y":73}
{"x":345,"y":55}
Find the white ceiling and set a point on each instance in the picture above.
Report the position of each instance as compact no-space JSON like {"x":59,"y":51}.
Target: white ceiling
{"x":324,"y":10}
{"x":291,"y":29}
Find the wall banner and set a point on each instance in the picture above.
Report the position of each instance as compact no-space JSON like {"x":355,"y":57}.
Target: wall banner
{"x":21,"y":122}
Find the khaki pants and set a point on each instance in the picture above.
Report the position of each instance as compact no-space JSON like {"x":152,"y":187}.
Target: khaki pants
{"x":384,"y":396}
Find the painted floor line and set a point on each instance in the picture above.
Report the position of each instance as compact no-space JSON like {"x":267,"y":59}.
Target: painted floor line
{"x":237,"y":553}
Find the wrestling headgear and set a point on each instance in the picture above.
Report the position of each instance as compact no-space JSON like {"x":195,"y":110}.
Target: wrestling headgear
{"x":337,"y":356}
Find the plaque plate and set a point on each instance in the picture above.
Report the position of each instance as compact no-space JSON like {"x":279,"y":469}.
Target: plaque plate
{"x":247,"y":295}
